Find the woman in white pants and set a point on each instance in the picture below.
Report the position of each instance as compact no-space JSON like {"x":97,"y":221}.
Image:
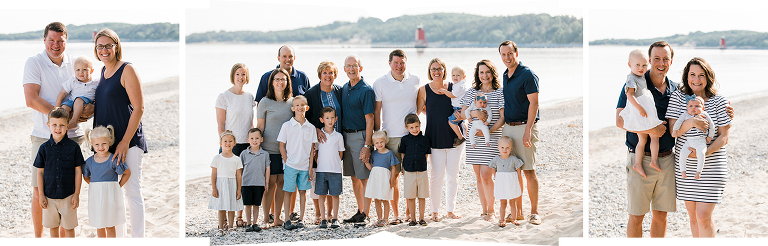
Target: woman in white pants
{"x":445,"y":157}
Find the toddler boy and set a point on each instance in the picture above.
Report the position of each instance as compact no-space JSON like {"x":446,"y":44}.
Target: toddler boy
{"x":81,"y":90}
{"x":458,"y":90}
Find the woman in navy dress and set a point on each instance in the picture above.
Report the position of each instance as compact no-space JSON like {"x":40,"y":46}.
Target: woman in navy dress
{"x":445,"y":157}
{"x":120,"y":103}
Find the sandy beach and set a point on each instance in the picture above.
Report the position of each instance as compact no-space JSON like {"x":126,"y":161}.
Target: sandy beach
{"x":560,"y":202}
{"x":160,"y":168}
{"x":743,"y":210}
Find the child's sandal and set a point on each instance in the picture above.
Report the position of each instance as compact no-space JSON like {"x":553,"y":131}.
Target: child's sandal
{"x":502,"y":223}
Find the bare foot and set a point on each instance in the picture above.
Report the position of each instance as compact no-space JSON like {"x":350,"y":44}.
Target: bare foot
{"x":278,"y":222}
{"x":639,"y":169}
{"x":473,"y":146}
{"x":451,"y":215}
{"x":655,"y":165}
{"x":698,"y":175}
{"x":490,"y":216}
{"x":685,"y":176}
{"x":435,"y":217}
{"x":515,"y":223}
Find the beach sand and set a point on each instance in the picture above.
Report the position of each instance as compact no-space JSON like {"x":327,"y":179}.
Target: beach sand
{"x":160,"y":168}
{"x":743,"y":210}
{"x":560,"y":199}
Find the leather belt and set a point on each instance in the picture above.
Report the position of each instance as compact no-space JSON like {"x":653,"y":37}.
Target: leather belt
{"x":517,"y":123}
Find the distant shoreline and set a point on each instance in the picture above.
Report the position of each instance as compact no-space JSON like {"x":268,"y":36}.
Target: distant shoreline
{"x":409,"y":45}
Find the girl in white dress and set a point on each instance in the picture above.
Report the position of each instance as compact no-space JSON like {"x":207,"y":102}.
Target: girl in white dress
{"x":640,"y":112}
{"x":106,"y":208}
{"x":226,"y":178}
{"x":506,"y":188}
{"x":382,"y":179}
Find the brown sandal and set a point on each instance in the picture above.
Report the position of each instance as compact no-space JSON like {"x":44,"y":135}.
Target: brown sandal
{"x":502,"y":223}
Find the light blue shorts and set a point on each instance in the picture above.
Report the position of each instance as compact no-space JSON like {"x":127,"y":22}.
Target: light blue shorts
{"x":70,"y":103}
{"x":293,"y":178}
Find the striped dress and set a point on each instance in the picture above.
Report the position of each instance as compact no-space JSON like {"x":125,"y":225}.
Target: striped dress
{"x":482,"y":154}
{"x":710,"y":187}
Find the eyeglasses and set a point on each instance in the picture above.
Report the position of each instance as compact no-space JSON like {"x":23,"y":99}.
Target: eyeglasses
{"x":280,"y":79}
{"x":436,"y":69}
{"x":352,"y":66}
{"x":108,"y":46}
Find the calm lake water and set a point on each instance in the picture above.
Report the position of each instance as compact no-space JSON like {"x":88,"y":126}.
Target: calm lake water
{"x":152,"y":60}
{"x":208,"y":66}
{"x":735,"y":71}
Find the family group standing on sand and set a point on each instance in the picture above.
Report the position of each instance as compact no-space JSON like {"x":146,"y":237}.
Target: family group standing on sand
{"x":61,"y":91}
{"x":307,"y":139}
{"x":699,"y":121}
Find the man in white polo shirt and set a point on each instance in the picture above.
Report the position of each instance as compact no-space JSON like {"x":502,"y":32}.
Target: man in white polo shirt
{"x":43,"y":75}
{"x":396,"y":95}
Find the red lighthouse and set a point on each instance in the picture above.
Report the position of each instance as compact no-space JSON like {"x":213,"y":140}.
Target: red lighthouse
{"x":421,"y":41}
{"x":722,"y":43}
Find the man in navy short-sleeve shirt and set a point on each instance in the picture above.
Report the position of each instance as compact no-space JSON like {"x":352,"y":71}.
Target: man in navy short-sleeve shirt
{"x":521,"y":112}
{"x":299,"y":80}
{"x":358,"y":103}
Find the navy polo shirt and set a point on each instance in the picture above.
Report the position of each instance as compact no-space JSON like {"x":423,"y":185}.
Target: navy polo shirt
{"x":666,"y":142}
{"x":59,"y":161}
{"x":516,"y":90}
{"x":356,"y":102}
{"x":415,"y":149}
{"x":299,"y":83}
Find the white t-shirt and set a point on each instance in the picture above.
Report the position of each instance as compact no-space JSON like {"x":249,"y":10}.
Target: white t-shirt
{"x":458,"y":90}
{"x":398,"y":99}
{"x":76,"y":89}
{"x":298,"y":141}
{"x":40,"y":70}
{"x":239,"y":113}
{"x":226,"y":167}
{"x":328,"y":160}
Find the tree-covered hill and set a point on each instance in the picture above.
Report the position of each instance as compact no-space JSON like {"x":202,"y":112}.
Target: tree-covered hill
{"x":127,"y":32}
{"x":440,"y":28}
{"x":733,"y":39}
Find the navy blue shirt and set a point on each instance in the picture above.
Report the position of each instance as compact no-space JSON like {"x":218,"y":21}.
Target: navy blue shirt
{"x":59,"y":161}
{"x":666,"y":142}
{"x":516,"y":90}
{"x":356,"y":102}
{"x":113,"y":107}
{"x":415,"y":149}
{"x":299,"y":83}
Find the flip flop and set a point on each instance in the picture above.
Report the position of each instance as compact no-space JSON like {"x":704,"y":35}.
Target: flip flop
{"x":396,"y":221}
{"x":452,"y":216}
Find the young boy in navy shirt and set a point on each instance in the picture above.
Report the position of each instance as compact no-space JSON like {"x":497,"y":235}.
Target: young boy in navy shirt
{"x":414,"y":150}
{"x":59,"y":176}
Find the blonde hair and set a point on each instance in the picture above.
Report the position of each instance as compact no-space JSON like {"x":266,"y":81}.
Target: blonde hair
{"x":106,"y":32}
{"x":234,"y":70}
{"x":382,"y":134}
{"x":227,"y":132}
{"x":100,"y":132}
{"x":636,"y":53}
{"x":458,"y":68}
{"x":327,"y":64}
{"x":84,"y":60}
{"x":504,"y":139}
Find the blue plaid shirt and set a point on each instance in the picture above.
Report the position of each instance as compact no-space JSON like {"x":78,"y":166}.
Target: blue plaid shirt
{"x":59,"y":161}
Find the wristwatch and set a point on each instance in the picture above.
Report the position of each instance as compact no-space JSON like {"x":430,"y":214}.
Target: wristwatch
{"x":368,"y":146}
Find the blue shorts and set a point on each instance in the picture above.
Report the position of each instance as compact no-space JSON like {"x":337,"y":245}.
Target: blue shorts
{"x":70,"y":103}
{"x":293,"y":178}
{"x":452,"y":118}
{"x":328,"y":184}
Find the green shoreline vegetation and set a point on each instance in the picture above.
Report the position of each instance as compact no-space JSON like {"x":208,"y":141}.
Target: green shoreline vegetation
{"x":440,"y":29}
{"x":164,"y":32}
{"x":733,"y":39}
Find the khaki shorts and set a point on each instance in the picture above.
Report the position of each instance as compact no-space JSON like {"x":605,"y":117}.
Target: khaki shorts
{"x":415,"y":185}
{"x":60,"y":213}
{"x":658,"y":189}
{"x":528,"y":155}
{"x":393,"y":144}
{"x":35,"y":146}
